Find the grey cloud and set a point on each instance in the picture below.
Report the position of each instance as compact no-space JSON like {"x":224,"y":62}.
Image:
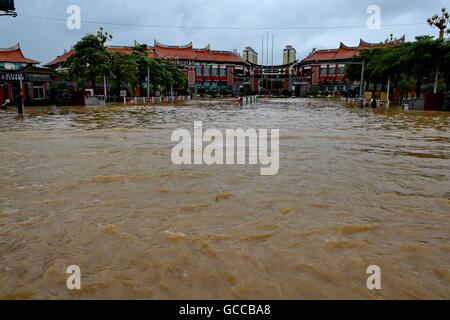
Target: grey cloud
{"x":43,"y":40}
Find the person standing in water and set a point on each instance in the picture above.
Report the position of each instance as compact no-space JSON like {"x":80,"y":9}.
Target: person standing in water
{"x":18,"y":101}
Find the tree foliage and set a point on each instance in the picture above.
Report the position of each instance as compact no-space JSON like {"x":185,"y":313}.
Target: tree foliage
{"x":123,"y":71}
{"x":92,"y":60}
{"x":416,"y":60}
{"x":89,"y":61}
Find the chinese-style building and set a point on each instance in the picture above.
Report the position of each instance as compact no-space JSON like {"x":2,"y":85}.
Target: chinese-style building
{"x":327,"y":67}
{"x":205,"y":68}
{"x":262,"y":79}
{"x":18,"y":73}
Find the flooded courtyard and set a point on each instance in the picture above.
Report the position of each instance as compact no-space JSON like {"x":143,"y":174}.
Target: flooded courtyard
{"x":96,"y":187}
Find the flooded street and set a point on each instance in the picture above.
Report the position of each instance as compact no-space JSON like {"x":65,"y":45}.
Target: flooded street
{"x":97,"y":188}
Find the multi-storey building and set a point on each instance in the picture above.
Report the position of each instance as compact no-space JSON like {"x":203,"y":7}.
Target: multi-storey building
{"x":205,"y":68}
{"x":289,"y":55}
{"x":18,"y":73}
{"x":327,"y":67}
{"x":250,"y":55}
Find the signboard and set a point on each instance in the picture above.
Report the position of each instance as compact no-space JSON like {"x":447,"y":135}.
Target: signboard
{"x":230,"y":76}
{"x":7,"y":5}
{"x":191,"y":77}
{"x":123,"y":93}
{"x":13,"y":77}
{"x":315,"y":76}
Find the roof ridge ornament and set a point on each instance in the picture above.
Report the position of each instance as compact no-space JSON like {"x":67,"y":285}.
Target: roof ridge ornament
{"x":189,"y":45}
{"x":13,"y":48}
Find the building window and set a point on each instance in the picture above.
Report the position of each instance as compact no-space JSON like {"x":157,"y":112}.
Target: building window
{"x":349,"y":86}
{"x":322,"y":87}
{"x":207,"y":84}
{"x":215,"y":85}
{"x":206,"y":71}
{"x":341,"y":70}
{"x":340,"y":87}
{"x":199,"y":84}
{"x":38,"y":90}
{"x":198,"y":71}
{"x":323,"y":71}
{"x":17,"y":66}
{"x":2,"y":65}
{"x":332,"y":70}
{"x":223,"y":72}
{"x":215,"y":72}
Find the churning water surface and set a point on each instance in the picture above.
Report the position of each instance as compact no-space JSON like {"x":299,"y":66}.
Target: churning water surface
{"x":96,"y":187}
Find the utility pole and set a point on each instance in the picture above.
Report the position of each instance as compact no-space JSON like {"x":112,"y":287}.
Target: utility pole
{"x":105,"y":89}
{"x":362,"y":84}
{"x":148,"y":81}
{"x":361,"y":89}
{"x":271,"y":76}
{"x":388,"y":91}
{"x":262,"y":65}
{"x":273,"y":36}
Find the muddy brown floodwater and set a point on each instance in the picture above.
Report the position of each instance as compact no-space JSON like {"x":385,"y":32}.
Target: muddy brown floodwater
{"x":96,"y":188}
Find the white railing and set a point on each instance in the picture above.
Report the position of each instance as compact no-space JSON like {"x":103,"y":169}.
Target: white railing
{"x":243,"y":101}
{"x":153,"y":100}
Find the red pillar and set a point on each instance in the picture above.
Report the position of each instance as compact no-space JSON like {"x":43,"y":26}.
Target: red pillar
{"x":2,"y":95}
{"x":10,"y":92}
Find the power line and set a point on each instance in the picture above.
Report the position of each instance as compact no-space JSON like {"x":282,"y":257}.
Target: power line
{"x":217,"y":27}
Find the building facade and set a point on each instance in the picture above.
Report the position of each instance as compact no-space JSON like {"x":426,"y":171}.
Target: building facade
{"x":21,"y":74}
{"x":250,"y":55}
{"x":326,"y":68}
{"x":205,"y":69}
{"x":289,"y":55}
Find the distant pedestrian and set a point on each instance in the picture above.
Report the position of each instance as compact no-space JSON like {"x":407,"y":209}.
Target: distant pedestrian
{"x":373,"y":103}
{"x":18,"y":101}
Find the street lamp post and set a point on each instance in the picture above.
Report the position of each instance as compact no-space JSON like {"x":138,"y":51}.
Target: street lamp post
{"x":361,"y":100}
{"x":441,"y":23}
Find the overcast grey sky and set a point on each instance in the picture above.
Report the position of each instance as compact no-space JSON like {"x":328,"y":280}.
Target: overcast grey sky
{"x":43,"y":40}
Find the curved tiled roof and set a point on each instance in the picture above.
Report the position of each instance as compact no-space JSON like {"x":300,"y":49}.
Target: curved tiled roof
{"x":322,"y":55}
{"x":178,"y":52}
{"x":226,"y":56}
{"x":159,"y":50}
{"x":60,"y":59}
{"x":14,"y":54}
{"x":204,"y":54}
{"x":344,"y":52}
{"x":367,"y":45}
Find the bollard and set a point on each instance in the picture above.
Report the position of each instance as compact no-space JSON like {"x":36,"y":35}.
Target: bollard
{"x":361,"y":102}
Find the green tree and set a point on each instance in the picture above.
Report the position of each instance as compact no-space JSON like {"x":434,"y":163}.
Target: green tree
{"x":421,"y":56}
{"x":415,"y":60}
{"x":167,"y":74}
{"x":89,"y":61}
{"x":123,"y":70}
{"x":446,"y":63}
{"x":140,"y":54}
